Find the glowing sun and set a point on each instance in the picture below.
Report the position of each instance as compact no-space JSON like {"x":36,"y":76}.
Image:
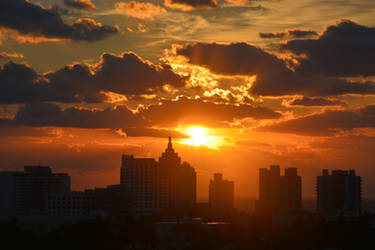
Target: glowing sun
{"x":197,"y":136}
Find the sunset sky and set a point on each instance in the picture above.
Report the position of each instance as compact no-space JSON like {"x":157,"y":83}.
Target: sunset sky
{"x":238,"y":84}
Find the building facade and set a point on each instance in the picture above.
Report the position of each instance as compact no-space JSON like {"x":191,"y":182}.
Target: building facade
{"x":278,"y":193}
{"x":24,"y":193}
{"x":155,"y":185}
{"x":141,"y":177}
{"x":221,"y":193}
{"x":339,"y":193}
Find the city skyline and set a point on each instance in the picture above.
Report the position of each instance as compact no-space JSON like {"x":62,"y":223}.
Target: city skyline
{"x":170,"y":182}
{"x":150,"y":163}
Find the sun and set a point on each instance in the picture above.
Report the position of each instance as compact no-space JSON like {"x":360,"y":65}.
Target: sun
{"x":197,"y":136}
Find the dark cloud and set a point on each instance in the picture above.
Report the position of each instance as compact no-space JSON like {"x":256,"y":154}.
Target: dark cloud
{"x":319,"y":101}
{"x":270,"y":35}
{"x":294,"y":33}
{"x":298,"y":33}
{"x":51,"y":115}
{"x":185,"y":110}
{"x":232,"y":59}
{"x":167,"y":114}
{"x":80,"y":4}
{"x":328,"y":123}
{"x":346,"y":49}
{"x":131,"y":74}
{"x":127,"y":75}
{"x":152,"y":132}
{"x":191,"y":4}
{"x":38,"y":22}
{"x":273,"y":76}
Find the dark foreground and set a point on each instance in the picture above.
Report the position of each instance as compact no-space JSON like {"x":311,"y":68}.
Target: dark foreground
{"x":239,"y":232}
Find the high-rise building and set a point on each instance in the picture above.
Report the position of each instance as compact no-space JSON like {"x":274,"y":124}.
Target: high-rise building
{"x":141,"y":178}
{"x":279,"y":193}
{"x":177,"y":181}
{"x":291,"y":190}
{"x":221,"y":192}
{"x":154,"y":185}
{"x":24,"y":193}
{"x":339,"y":193}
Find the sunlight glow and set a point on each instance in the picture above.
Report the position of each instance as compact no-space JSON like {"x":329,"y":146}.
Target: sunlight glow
{"x":200,"y":136}
{"x":197,"y":136}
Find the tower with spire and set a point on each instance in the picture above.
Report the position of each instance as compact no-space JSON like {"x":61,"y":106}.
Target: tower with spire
{"x":177,"y":180}
{"x":169,"y":157}
{"x":159,"y":185}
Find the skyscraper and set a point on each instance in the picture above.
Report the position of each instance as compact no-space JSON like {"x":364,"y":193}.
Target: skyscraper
{"x":154,"y":185}
{"x":141,"y":178}
{"x":339,"y":193}
{"x":177,"y":181}
{"x":221,"y":192}
{"x":291,"y":190}
{"x":24,"y":193}
{"x":279,"y":193}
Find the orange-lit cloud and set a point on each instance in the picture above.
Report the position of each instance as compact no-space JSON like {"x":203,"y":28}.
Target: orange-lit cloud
{"x":240,"y":2}
{"x":188,"y":5}
{"x":8,"y":55}
{"x":80,"y":4}
{"x":327,"y":123}
{"x":140,"y":10}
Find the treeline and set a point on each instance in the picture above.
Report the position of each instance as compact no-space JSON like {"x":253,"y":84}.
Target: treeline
{"x":306,"y":232}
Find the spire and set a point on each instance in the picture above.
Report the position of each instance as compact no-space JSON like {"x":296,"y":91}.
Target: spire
{"x":169,"y":142}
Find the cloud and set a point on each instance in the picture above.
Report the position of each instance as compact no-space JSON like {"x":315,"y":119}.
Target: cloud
{"x":31,"y":120}
{"x":346,"y":49}
{"x":127,"y":74}
{"x":152,"y":132}
{"x":8,"y":55}
{"x":35,"y":23}
{"x":188,"y":111}
{"x":80,"y":4}
{"x":52,"y":115}
{"x":142,"y":123}
{"x":327,"y":123}
{"x":232,"y":59}
{"x":274,"y":77}
{"x":24,"y":131}
{"x":240,"y":2}
{"x":139,"y":9}
{"x":319,"y":101}
{"x":294,"y":33}
{"x":270,"y":35}
{"x":191,"y":4}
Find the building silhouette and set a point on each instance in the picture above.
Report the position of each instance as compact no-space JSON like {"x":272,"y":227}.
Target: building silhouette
{"x":291,"y":190}
{"x":339,"y":193}
{"x":278,"y":193}
{"x":153,"y":185}
{"x":177,"y":180}
{"x":142,"y":180}
{"x":221,"y":193}
{"x":24,"y":193}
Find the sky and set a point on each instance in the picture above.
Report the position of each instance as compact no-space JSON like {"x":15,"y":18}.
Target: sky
{"x":238,"y":84}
